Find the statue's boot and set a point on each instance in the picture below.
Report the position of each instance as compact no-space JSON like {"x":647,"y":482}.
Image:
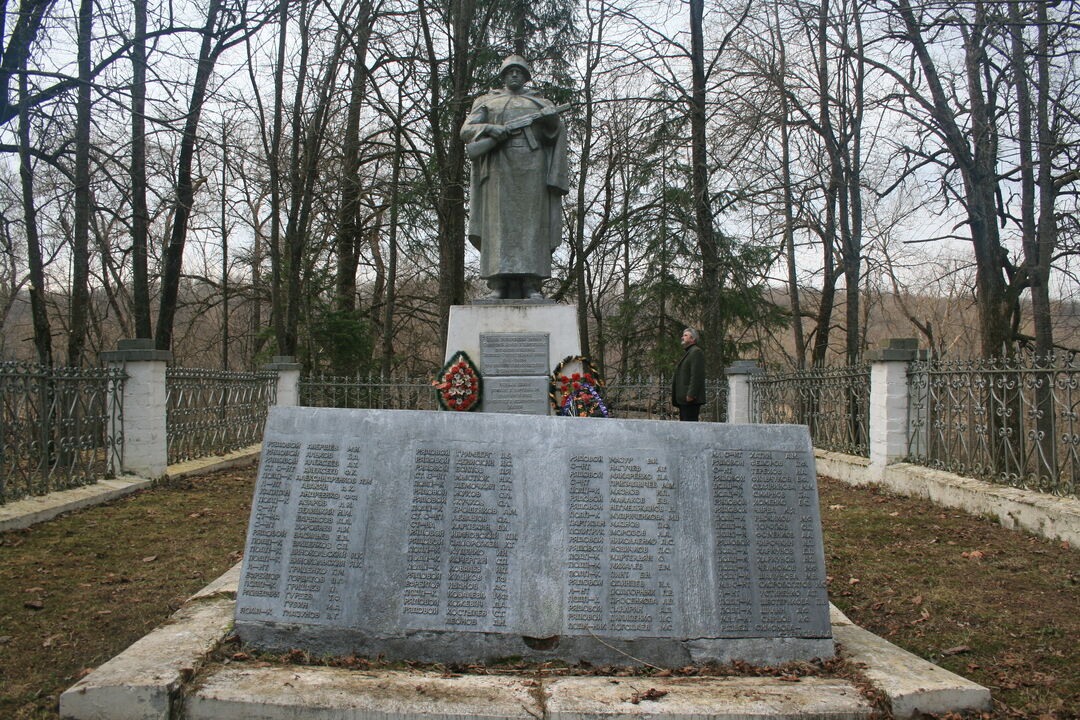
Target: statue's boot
{"x":498,"y":289}
{"x":531,"y":288}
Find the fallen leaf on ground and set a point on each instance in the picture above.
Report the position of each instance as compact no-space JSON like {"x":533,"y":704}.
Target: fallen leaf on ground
{"x":149,"y":558}
{"x":974,"y":555}
{"x":917,"y":600}
{"x":650,"y":694}
{"x":34,"y":605}
{"x":959,"y":649}
{"x":854,"y":581}
{"x":894,"y":514}
{"x":837,"y":507}
{"x":34,"y":589}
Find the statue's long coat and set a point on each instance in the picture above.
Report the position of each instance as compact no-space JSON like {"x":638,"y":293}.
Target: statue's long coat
{"x":515,"y":214}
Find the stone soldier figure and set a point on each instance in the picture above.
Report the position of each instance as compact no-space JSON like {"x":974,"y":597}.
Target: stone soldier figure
{"x":517,"y":143}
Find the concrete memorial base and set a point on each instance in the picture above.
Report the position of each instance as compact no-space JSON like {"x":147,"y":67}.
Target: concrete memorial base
{"x":169,"y":675}
{"x":468,"y":537}
{"x":515,"y":345}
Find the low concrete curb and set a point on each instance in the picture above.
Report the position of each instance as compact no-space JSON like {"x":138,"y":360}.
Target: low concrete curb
{"x":147,"y":681}
{"x":201,"y":466}
{"x":30,"y":511}
{"x":1055,"y":518}
{"x":912,"y":685}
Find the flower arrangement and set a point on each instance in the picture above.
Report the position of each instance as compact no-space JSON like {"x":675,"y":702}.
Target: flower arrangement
{"x":458,"y":384}
{"x":577,"y":394}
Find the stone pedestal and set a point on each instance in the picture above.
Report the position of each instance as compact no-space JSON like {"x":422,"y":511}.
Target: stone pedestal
{"x":515,"y":345}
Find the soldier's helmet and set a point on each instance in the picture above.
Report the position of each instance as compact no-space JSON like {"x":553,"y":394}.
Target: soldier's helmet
{"x":515,"y":61}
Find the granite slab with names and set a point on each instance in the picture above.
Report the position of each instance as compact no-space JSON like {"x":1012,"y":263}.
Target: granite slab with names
{"x":463,"y":537}
{"x":515,"y":370}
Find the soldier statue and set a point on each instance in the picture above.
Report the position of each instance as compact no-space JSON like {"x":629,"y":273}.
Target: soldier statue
{"x":517,"y":143}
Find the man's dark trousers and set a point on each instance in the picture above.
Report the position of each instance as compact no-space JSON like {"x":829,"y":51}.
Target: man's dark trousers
{"x":689,"y":412}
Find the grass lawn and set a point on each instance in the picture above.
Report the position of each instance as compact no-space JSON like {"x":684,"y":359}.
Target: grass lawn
{"x":999,"y":607}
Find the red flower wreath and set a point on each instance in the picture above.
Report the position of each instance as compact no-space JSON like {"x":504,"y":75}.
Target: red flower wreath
{"x":458,"y":384}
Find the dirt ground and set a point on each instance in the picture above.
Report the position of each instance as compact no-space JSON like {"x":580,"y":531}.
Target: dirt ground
{"x":993,"y":605}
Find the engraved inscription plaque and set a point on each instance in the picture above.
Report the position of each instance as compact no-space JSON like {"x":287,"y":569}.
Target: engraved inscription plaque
{"x":514,"y":354}
{"x":526,"y":395}
{"x":622,"y":514}
{"x":462,"y":535}
{"x":467,"y":537}
{"x":304,"y":545}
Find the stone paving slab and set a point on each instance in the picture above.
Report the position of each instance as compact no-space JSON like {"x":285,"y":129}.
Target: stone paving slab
{"x":337,"y":694}
{"x":701,"y":698}
{"x":913,"y":685}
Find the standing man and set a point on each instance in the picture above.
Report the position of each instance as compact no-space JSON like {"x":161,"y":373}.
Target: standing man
{"x":688,"y":385}
{"x":517,"y":143}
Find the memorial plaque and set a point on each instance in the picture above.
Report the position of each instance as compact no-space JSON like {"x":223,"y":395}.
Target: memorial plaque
{"x":456,"y":537}
{"x":525,"y":395}
{"x":514,"y":354}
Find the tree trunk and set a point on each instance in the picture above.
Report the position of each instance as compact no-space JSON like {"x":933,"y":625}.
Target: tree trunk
{"x":80,"y":249}
{"x":277,"y":300}
{"x":38,"y":309}
{"x":140,"y":215}
{"x":350,"y":227}
{"x":391,"y":261}
{"x":185,"y":193}
{"x":712,"y":322}
{"x":789,"y":202}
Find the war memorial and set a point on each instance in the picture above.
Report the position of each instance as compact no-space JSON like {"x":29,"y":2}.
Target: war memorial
{"x":467,"y":538}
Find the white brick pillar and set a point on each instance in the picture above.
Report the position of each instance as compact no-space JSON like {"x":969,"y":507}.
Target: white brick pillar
{"x":740,"y":397}
{"x":889,"y":401}
{"x":288,"y":379}
{"x":141,"y":415}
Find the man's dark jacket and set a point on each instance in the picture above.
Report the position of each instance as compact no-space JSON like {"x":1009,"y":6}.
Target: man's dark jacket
{"x":689,"y":380}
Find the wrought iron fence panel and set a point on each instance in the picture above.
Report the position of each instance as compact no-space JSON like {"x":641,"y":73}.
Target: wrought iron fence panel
{"x":1014,"y":421}
{"x":639,"y":397}
{"x":371,"y":392}
{"x":212,"y":412}
{"x":55,"y":427}
{"x":649,"y":398}
{"x":834,"y":402}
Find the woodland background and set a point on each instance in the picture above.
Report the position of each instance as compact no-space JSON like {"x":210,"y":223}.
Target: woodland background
{"x":239,"y":179}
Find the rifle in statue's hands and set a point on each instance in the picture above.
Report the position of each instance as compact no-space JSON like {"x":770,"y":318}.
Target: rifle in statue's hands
{"x":484,"y":145}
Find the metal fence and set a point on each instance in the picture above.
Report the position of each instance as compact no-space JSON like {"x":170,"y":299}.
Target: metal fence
{"x":55,"y":429}
{"x":834,"y":402}
{"x":650,"y":398}
{"x":639,"y":397}
{"x":372,"y":392}
{"x":1014,"y":421}
{"x":212,"y":412}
